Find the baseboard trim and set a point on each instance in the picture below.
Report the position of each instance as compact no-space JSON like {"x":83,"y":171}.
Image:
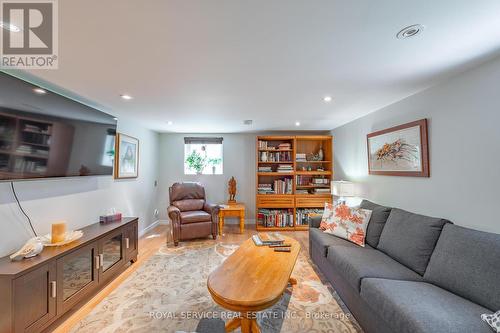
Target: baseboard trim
{"x":149,"y":227}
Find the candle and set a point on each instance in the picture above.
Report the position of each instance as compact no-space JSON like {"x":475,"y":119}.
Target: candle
{"x":58,"y":232}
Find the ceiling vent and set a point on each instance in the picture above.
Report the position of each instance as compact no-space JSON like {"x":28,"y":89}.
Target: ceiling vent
{"x":248,"y":122}
{"x":410,"y":31}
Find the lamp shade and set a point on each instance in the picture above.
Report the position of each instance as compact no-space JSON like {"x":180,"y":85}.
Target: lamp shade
{"x":343,"y":188}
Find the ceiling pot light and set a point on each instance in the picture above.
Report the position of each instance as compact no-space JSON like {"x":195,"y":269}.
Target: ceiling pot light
{"x":170,"y":122}
{"x":410,"y":31}
{"x":126,"y":97}
{"x":297,"y":123}
{"x":9,"y":27}
{"x":327,"y":99}
{"x":40,"y":91}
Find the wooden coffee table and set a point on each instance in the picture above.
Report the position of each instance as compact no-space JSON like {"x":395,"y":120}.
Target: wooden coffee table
{"x":232,"y":210}
{"x":252,"y":279}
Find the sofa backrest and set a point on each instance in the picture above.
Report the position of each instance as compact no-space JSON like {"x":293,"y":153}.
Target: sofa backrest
{"x":410,"y":238}
{"x":377,"y":221}
{"x":467,"y":263}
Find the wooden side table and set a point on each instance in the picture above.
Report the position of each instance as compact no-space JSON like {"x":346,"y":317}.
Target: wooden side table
{"x":232,"y":210}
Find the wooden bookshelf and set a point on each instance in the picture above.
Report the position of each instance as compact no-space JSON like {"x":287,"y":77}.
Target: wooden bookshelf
{"x":283,"y":150}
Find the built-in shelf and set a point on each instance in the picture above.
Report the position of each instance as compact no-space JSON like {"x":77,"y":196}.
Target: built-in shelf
{"x":298,"y":203}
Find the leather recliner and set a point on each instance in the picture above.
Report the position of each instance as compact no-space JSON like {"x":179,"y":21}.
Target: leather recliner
{"x":190,"y":214}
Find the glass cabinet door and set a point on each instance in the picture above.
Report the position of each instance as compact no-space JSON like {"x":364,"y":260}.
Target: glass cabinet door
{"x":77,"y":275}
{"x":112,"y":251}
{"x":112,"y":254}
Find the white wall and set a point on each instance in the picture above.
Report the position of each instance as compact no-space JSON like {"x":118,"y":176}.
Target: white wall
{"x":238,"y":161}
{"x":80,"y":201}
{"x":464,"y":140}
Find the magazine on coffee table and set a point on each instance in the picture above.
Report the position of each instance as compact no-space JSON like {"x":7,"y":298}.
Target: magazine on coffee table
{"x":271,"y":238}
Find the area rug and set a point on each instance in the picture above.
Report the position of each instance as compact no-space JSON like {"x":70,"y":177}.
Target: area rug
{"x":168,"y":293}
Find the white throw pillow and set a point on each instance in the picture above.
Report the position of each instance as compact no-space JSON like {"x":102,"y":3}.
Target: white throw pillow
{"x":346,"y":222}
{"x":493,"y":320}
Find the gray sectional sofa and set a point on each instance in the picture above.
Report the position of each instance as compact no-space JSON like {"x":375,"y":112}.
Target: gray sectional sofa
{"x":415,"y":274}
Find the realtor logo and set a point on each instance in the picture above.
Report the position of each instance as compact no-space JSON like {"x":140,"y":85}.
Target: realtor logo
{"x":29,"y":34}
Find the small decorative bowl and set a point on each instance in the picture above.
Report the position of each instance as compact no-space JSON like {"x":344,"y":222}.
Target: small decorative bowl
{"x":71,"y":236}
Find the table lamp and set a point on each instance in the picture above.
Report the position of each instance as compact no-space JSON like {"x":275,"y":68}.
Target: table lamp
{"x":342,"y":189}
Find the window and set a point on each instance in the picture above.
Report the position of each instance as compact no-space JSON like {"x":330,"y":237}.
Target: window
{"x":203,"y":156}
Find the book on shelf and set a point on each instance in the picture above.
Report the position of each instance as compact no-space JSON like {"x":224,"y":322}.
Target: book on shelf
{"x":320,"y":181}
{"x":304,"y":216}
{"x":275,"y":217}
{"x":264,"y":145}
{"x":285,"y":168}
{"x":265,"y":189}
{"x":300,"y":157}
{"x":283,"y":186}
{"x":302,"y":180}
{"x":285,"y":145}
{"x":265,"y":169}
{"x":280,"y":156}
{"x":321,"y":190}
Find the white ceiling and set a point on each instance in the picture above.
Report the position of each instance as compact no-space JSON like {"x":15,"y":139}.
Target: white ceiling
{"x":208,"y":65}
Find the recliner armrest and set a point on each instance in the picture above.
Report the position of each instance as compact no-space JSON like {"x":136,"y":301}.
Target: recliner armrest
{"x":174,"y":213}
{"x":211,"y":208}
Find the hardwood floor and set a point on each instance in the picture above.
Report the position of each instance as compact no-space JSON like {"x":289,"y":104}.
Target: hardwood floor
{"x":148,"y":246}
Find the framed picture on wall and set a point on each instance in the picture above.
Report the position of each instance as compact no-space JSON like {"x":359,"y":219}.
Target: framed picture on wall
{"x":127,"y":157}
{"x":399,"y":151}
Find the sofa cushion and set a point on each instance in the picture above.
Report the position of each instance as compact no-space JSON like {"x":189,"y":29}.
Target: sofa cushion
{"x":346,"y":222}
{"x":189,"y":204}
{"x":377,"y":221}
{"x":195,"y":216}
{"x":357,"y":263}
{"x":323,"y":240}
{"x":419,"y":307}
{"x":467,"y":262}
{"x":410,"y":238}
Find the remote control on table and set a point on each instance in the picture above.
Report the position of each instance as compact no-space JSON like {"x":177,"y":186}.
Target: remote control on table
{"x":282,"y":249}
{"x":280,"y":245}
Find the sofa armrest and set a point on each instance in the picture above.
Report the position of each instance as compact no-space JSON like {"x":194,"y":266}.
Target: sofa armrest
{"x":315,"y":221}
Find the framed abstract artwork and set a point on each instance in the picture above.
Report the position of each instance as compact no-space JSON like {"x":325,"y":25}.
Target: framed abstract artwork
{"x":127,"y":157}
{"x":399,"y":151}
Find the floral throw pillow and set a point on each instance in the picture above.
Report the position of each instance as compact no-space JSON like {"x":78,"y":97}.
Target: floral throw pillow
{"x":346,"y":222}
{"x":493,"y":320}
